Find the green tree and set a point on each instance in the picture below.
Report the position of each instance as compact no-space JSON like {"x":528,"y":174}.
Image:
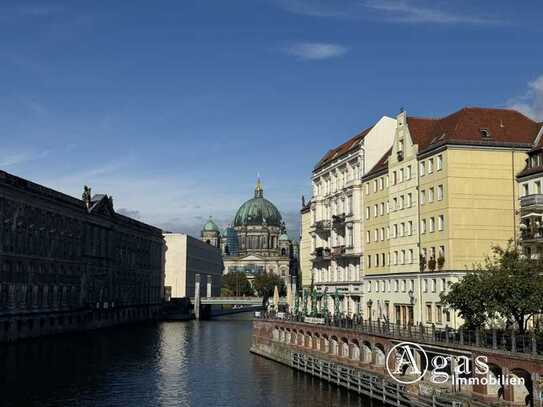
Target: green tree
{"x":236,"y":284}
{"x":264,"y":284}
{"x":507,"y":285}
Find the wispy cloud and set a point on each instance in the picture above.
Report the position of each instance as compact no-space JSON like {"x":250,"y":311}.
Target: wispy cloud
{"x":11,"y":159}
{"x":393,"y":11}
{"x":531,"y":103}
{"x":316,"y":50}
{"x":318,"y":8}
{"x":408,"y":11}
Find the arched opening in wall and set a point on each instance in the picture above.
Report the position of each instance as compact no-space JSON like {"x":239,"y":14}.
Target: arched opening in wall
{"x":325,"y":344}
{"x":366,"y":352}
{"x":379,"y":354}
{"x":354,"y":350}
{"x":495,"y":390}
{"x":301,"y":338}
{"x":344,"y":351}
{"x":288,"y":336}
{"x":317,"y":342}
{"x":522,"y":393}
{"x":208,"y":241}
{"x":283,"y":252}
{"x":226,"y":250}
{"x":275,"y":334}
{"x":334,"y":345}
{"x":308,"y":340}
{"x":281,"y":334}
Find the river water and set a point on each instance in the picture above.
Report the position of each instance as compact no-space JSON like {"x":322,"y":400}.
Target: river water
{"x":196,"y":363}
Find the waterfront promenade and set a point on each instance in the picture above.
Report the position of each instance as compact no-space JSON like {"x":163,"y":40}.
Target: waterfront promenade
{"x":354,"y":354}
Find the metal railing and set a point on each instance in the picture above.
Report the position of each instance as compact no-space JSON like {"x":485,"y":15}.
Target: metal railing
{"x":499,"y":340}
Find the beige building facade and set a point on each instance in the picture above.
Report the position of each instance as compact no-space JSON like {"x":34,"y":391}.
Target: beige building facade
{"x":305,"y":264}
{"x":187,"y":260}
{"x":435,"y":204}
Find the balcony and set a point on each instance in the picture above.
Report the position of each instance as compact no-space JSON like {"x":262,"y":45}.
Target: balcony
{"x":322,"y":226}
{"x":322,"y":254}
{"x":531,"y":201}
{"x":338,"y":221}
{"x":338,"y":251}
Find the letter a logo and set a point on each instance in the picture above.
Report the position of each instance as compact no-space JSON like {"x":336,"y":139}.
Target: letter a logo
{"x":402,"y":359}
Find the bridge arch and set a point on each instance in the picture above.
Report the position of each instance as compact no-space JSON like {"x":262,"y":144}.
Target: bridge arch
{"x":317,"y":342}
{"x":344,"y":348}
{"x":354,"y":350}
{"x":334,"y":345}
{"x":325,"y":344}
{"x":288,"y":336}
{"x":308,"y":343}
{"x":379,"y":354}
{"x":275,"y":333}
{"x":522,"y":393}
{"x":366,"y":352}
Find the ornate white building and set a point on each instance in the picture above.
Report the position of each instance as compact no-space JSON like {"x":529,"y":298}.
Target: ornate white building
{"x":336,"y":227}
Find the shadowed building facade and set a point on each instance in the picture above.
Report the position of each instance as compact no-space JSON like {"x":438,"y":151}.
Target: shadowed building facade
{"x":70,"y":264}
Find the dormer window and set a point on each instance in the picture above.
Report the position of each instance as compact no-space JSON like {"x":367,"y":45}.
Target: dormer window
{"x":485,"y":133}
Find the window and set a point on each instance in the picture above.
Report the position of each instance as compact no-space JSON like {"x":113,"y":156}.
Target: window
{"x":383,"y":259}
{"x":443,"y":285}
{"x":394,"y":231}
{"x":380,"y":183}
{"x":439,"y":163}
{"x":442,"y":251}
{"x":387,"y":206}
{"x":367,"y":187}
{"x":432,"y":224}
{"x":408,"y":174}
{"x":411,"y":257}
{"x":430,"y":165}
{"x":410,"y":228}
{"x":394,"y":178}
{"x":402,"y":229}
{"x":440,"y":222}
{"x":434,"y":285}
{"x":421,"y":168}
{"x":400,"y":145}
{"x":423,"y":226}
{"x":429,"y":312}
{"x":395,"y":258}
{"x":388,"y":232}
{"x":526,"y":189}
{"x":382,"y":234}
{"x":422,"y":196}
{"x":375,"y":186}
{"x":409,"y":200}
{"x":376,"y":235}
{"x":367,"y":212}
{"x":402,"y":202}
{"x":402,"y":257}
{"x":377,"y":265}
{"x":400,"y":175}
{"x":368,"y":236}
{"x":382,"y":208}
{"x":431,"y":195}
{"x":440,"y":192}
{"x":425,"y":285}
{"x":369,"y":266}
{"x":538,"y":187}
{"x":395,"y":204}
{"x":439,"y":314}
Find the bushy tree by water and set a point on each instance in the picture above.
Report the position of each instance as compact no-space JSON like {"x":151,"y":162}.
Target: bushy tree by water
{"x":236,"y":284}
{"x":264,"y":284}
{"x":508,"y":286}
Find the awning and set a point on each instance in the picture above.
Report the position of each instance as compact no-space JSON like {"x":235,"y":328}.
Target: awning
{"x":531,"y":215}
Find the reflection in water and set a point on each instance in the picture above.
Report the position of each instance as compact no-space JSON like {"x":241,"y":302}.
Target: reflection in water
{"x":164,"y":364}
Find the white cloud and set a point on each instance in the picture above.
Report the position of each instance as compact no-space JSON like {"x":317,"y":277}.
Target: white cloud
{"x":11,"y":159}
{"x":408,"y":11}
{"x":399,"y":11}
{"x":531,"y":103}
{"x":316,"y":50}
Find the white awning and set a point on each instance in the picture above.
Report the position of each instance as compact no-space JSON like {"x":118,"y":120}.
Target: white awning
{"x":531,"y":215}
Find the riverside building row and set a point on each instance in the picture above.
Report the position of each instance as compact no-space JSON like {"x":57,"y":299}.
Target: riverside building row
{"x":71,"y":264}
{"x":408,"y":206}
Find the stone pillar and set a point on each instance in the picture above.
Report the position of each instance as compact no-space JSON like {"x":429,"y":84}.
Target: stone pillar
{"x":197,"y":296}
{"x":209,"y":282}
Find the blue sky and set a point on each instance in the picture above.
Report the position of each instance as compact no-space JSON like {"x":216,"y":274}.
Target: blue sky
{"x":173,"y":107}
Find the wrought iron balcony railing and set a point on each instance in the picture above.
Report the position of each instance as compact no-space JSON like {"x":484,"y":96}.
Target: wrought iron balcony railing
{"x":531,"y":200}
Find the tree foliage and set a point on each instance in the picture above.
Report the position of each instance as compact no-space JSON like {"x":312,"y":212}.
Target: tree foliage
{"x":507,"y":285}
{"x":236,"y":284}
{"x":265,"y":283}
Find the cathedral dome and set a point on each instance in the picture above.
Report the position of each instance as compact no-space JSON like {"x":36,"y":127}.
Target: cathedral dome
{"x":210,"y":226}
{"x":284,"y":237}
{"x":258,"y":211}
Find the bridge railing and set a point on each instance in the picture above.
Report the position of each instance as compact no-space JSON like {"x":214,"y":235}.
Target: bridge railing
{"x":500,"y":340}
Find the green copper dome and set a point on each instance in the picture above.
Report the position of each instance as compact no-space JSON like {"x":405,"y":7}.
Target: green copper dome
{"x":211,"y":226}
{"x":284,"y":236}
{"x":258,"y":211}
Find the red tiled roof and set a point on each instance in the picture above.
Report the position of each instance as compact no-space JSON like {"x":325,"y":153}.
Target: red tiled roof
{"x":505,"y":127}
{"x":342,"y":149}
